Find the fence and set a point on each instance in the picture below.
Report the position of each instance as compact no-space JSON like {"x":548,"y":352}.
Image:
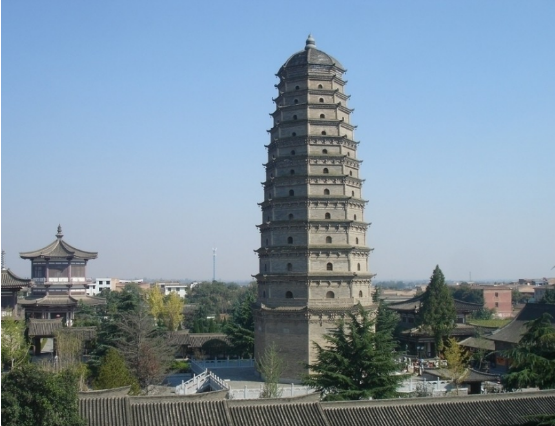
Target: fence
{"x":424,"y":386}
{"x":287,"y":391}
{"x":197,"y":366}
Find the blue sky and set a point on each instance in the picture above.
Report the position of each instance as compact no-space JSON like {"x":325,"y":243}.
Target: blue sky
{"x":140,"y":127}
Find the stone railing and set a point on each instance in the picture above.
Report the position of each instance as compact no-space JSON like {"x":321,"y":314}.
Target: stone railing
{"x":201,"y":382}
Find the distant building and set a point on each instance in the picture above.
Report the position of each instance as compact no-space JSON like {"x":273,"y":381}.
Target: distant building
{"x":499,"y":298}
{"x":100,"y":284}
{"x":539,"y":292}
{"x":509,"y":336}
{"x":416,"y":341}
{"x":167,"y":288}
{"x":120,"y":284}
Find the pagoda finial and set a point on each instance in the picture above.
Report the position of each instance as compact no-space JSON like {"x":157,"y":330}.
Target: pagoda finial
{"x":3,"y":254}
{"x":310,"y":43}
{"x":59,"y":235}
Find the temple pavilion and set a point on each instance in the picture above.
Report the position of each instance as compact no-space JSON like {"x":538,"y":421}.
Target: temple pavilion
{"x":58,"y":272}
{"x":11,"y":286}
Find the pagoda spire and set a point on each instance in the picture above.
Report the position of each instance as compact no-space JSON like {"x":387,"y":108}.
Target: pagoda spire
{"x":310,"y":43}
{"x":59,"y":235}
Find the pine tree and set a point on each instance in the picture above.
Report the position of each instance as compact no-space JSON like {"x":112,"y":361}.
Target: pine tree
{"x":533,"y":359}
{"x":359,"y":361}
{"x":438,"y":314}
{"x":240,"y":330}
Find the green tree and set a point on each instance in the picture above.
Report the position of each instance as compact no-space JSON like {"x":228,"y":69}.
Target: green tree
{"x":466,"y":293}
{"x":33,"y":397}
{"x":533,"y":359}
{"x":114,"y":372}
{"x":437,"y":313}
{"x":359,"y":361}
{"x":15,"y":348}
{"x":457,"y":362}
{"x":483,"y":314}
{"x":549,"y":296}
{"x":270,"y":366}
{"x":240,"y":330}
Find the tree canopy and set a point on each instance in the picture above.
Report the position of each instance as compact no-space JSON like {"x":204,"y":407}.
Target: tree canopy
{"x":549,"y":296}
{"x":457,"y":361}
{"x":15,"y":348}
{"x":240,"y":329}
{"x":437,"y":313}
{"x":34,"y":397}
{"x":114,"y":372}
{"x":533,"y":359}
{"x":359,"y":361}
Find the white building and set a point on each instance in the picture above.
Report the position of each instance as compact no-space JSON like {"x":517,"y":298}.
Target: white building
{"x":178,"y":288}
{"x":100,"y":284}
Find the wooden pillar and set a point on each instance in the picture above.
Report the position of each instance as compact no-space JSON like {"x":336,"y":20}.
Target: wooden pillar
{"x":36,"y":342}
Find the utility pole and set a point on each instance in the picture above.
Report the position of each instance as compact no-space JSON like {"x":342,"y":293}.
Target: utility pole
{"x":214,"y":264}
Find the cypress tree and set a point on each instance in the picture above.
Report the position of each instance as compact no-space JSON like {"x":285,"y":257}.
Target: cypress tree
{"x":437,"y":313}
{"x":113,"y":372}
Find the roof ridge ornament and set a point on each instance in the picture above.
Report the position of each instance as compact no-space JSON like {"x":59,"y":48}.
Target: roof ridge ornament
{"x":59,"y":235}
{"x":3,"y":254}
{"x":310,"y":43}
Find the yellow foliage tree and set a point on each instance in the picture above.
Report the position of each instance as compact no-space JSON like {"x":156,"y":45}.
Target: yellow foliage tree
{"x":155,"y":301}
{"x":173,"y":311}
{"x":457,"y":362}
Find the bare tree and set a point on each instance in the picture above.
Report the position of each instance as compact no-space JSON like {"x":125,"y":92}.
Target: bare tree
{"x":270,"y":365}
{"x":147,"y":351}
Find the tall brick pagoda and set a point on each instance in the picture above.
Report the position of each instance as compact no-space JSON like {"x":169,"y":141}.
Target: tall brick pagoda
{"x":313,"y":259}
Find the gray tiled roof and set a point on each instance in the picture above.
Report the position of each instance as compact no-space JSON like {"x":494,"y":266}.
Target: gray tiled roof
{"x":304,"y":414}
{"x":59,"y":248}
{"x":196,"y":340}
{"x":10,"y":280}
{"x":44,"y":327}
{"x":513,"y":331}
{"x":212,"y":413}
{"x":311,"y":57}
{"x":478,"y":343}
{"x":481,"y":410}
{"x":484,"y":410}
{"x":414,"y":303}
{"x":113,"y":411}
{"x":61,"y":300}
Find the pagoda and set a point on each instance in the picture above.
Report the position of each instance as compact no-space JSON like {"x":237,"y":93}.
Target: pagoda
{"x":313,"y":259}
